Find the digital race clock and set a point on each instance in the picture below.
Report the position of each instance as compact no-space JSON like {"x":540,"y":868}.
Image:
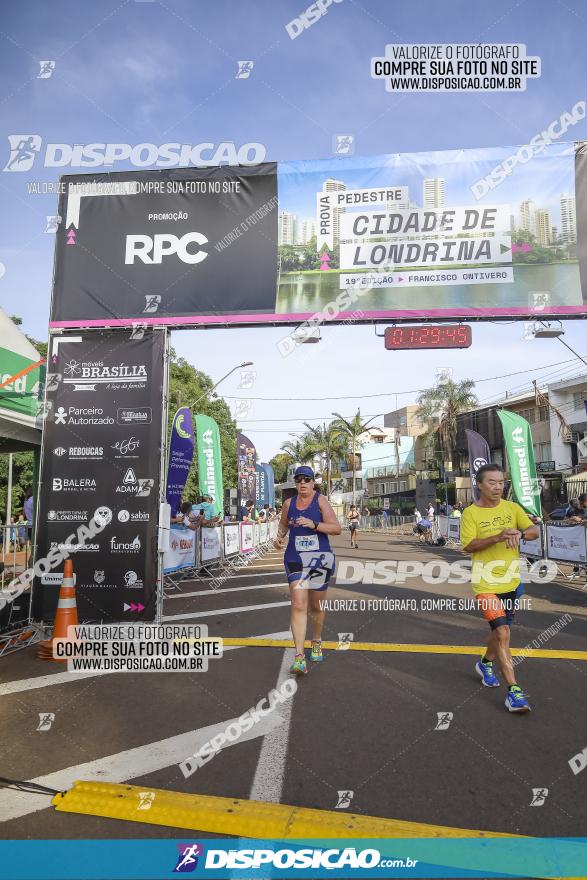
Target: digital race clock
{"x":428,"y":336}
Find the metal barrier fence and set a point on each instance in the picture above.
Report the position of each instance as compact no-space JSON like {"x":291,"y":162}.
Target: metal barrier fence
{"x":215,"y":553}
{"x":401,"y":525}
{"x":15,"y":549}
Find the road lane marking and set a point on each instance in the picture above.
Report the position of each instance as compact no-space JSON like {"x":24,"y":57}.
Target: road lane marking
{"x":241,"y":609}
{"x":41,"y":681}
{"x":129,"y":764}
{"x":221,"y":590}
{"x":409,"y":648}
{"x":267,"y":783}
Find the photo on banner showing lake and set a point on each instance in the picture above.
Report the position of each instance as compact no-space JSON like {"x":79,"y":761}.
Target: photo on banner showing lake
{"x":453,"y":233}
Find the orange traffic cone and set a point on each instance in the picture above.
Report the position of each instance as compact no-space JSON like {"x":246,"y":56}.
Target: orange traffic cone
{"x":66,"y":614}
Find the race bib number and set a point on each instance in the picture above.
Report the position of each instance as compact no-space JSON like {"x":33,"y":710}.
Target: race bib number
{"x":306,"y":542}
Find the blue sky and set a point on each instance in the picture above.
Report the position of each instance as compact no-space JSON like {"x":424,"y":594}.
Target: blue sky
{"x":142,"y":72}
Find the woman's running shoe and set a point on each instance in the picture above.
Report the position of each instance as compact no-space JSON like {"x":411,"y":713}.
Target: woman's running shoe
{"x":485,"y":670}
{"x":316,"y":654}
{"x":516,"y":700}
{"x":299,"y":667}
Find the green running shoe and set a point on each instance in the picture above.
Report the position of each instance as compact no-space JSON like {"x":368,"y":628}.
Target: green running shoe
{"x":316,"y":654}
{"x":299,"y":667}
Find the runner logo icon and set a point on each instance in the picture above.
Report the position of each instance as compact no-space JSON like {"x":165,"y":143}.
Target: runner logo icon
{"x":187,"y":860}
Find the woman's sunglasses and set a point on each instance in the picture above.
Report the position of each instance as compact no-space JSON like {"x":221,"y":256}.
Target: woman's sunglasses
{"x":302,"y":479}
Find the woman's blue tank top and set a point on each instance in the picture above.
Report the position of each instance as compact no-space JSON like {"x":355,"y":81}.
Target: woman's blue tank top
{"x":302,"y":538}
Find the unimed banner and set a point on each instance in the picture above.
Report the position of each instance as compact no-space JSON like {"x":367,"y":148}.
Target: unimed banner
{"x":101,"y":461}
{"x":209,"y":459}
{"x":452,"y":234}
{"x":517,"y":437}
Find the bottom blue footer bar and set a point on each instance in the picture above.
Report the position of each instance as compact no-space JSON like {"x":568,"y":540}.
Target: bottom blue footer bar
{"x":252,"y":859}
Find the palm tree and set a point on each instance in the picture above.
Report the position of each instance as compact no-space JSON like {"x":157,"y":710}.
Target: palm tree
{"x":352,"y":430}
{"x":299,"y":450}
{"x":442,"y":404}
{"x":328,"y":442}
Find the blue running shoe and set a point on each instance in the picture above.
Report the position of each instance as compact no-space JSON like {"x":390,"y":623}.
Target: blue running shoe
{"x":485,"y":670}
{"x":516,"y":700}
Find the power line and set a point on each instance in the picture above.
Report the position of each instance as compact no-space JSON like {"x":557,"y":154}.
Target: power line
{"x":399,"y":393}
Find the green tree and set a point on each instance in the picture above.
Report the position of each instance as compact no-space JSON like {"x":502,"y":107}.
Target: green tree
{"x":351,"y":430}
{"x":279,"y":464}
{"x":329,"y":442}
{"x":22,"y":476}
{"x":193,"y":388}
{"x":439,"y":407}
{"x":40,"y":346}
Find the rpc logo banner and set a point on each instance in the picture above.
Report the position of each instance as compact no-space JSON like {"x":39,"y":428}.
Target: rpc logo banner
{"x":172,"y":239}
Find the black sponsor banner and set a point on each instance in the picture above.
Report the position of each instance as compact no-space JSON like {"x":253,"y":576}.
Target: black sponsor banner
{"x":246,"y":454}
{"x":179,"y":242}
{"x":101,"y":464}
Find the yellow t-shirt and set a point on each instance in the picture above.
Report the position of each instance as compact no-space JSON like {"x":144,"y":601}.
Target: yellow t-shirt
{"x":497,"y":568}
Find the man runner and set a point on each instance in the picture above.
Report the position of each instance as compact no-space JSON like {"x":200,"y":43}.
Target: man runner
{"x":310,"y":520}
{"x":491,"y":530}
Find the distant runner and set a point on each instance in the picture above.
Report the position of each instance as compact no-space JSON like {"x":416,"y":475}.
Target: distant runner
{"x":353,"y":518}
{"x":491,"y":530}
{"x":308,"y":560}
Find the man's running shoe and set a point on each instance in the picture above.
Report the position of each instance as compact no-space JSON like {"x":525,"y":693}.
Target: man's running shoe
{"x":485,"y":670}
{"x":299,"y":667}
{"x":516,"y":700}
{"x":316,"y":654}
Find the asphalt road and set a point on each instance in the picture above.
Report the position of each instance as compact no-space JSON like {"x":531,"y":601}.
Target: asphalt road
{"x":362,"y":721}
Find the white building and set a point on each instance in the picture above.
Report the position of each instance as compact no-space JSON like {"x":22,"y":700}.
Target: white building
{"x":287,"y":228}
{"x":568,"y":218}
{"x":528,"y":216}
{"x":543,"y":227}
{"x":569,"y":398}
{"x":433,"y":192}
{"x":306,"y":230}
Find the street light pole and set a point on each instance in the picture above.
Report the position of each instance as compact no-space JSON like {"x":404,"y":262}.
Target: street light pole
{"x":214,"y":387}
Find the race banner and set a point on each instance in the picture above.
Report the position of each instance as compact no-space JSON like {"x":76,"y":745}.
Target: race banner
{"x":209,"y":459}
{"x":231,"y":539}
{"x":534,"y":548}
{"x":261,"y":486}
{"x":566,"y":543}
{"x":479,"y":454}
{"x":246,"y":469}
{"x":182,"y":549}
{"x":247,"y":536}
{"x":181,"y":454}
{"x":270,"y":484}
{"x":211,"y":543}
{"x":444,"y":235}
{"x":101,"y":467}
{"x":517,"y":438}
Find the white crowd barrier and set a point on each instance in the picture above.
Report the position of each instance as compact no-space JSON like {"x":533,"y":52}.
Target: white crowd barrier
{"x":192,"y":549}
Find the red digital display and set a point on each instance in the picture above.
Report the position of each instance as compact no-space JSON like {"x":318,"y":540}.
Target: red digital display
{"x":428,"y":336}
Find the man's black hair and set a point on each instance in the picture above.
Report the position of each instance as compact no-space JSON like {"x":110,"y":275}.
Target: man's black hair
{"x":484,"y":469}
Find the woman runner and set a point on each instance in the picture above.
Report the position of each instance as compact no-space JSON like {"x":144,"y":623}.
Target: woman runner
{"x":308,"y":561}
{"x":353,"y":518}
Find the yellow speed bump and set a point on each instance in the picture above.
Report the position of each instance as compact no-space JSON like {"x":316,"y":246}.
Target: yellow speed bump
{"x":408,"y":648}
{"x":238,"y":818}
